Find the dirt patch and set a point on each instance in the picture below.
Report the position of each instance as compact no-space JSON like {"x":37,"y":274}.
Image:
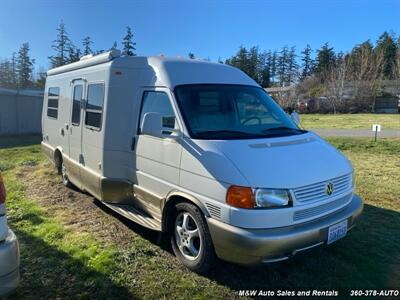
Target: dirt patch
{"x":78,"y":210}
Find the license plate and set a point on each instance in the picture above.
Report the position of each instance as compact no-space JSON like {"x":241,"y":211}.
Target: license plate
{"x":337,"y":231}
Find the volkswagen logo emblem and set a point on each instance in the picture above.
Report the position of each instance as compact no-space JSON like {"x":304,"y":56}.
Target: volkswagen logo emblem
{"x":329,"y":188}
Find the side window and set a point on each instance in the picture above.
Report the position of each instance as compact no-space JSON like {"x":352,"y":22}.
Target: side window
{"x":94,"y":107}
{"x":76,"y":105}
{"x":52,"y":102}
{"x":158,"y":102}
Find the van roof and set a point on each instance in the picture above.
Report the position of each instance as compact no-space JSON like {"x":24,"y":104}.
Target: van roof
{"x":166,"y":71}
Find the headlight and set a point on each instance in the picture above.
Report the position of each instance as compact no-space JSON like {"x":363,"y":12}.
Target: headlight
{"x":270,"y":198}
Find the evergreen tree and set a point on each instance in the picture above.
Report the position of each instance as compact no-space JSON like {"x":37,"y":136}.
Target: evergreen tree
{"x":86,"y":43}
{"x":7,"y":76}
{"x":386,"y":48}
{"x":282,"y":66}
{"x":114,"y":46}
{"x":128,"y":44}
{"x":40,"y":78}
{"x":325,"y":61}
{"x":253,"y":64}
{"x":24,"y":67}
{"x":273,"y":69}
{"x":266,"y":69}
{"x":62,"y":46}
{"x":248,"y":61}
{"x":292,"y":66}
{"x":13,"y":74}
{"x":74,"y":54}
{"x":307,"y":64}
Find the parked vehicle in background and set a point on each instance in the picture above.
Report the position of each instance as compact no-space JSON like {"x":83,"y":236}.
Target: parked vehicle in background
{"x":9,"y":251}
{"x":200,"y":151}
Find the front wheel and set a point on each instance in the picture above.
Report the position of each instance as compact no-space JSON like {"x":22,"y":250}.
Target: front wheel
{"x":191,"y":240}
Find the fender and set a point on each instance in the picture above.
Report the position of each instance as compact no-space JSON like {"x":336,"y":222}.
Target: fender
{"x":177,"y":193}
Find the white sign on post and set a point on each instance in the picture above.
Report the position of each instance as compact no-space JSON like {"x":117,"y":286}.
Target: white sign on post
{"x":376,"y":127}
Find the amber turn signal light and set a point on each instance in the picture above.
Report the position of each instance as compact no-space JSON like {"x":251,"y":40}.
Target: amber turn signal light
{"x":240,"y":197}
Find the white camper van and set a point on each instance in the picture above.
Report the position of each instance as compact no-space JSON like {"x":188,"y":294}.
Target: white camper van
{"x":197,"y":150}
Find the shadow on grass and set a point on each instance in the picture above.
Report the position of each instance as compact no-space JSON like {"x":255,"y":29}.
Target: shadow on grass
{"x":148,"y":234}
{"x":10,"y":141}
{"x":48,"y":273}
{"x":367,"y":258}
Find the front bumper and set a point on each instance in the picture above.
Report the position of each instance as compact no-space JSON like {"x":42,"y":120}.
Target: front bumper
{"x":9,"y":264}
{"x":254,"y":246}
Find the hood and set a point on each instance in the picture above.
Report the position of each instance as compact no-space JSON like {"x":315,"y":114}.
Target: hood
{"x":285,"y":162}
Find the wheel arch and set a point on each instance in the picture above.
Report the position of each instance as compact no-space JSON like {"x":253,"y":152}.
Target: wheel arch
{"x":58,"y":158}
{"x":172,"y":199}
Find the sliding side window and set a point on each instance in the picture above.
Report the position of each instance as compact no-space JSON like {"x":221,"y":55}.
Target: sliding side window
{"x":94,"y":107}
{"x":52,"y":102}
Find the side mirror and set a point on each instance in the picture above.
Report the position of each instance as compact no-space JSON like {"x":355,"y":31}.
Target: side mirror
{"x":152,"y":124}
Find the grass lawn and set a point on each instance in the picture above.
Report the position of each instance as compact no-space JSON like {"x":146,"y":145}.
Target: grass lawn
{"x":72,"y":247}
{"x":348,"y":121}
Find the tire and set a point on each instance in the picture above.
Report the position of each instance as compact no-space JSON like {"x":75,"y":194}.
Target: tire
{"x":190,"y":238}
{"x":64,"y":176}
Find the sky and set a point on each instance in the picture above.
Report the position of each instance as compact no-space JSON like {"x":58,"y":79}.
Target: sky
{"x":209,"y":29}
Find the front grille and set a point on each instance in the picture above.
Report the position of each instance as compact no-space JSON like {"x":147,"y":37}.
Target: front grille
{"x":321,"y":209}
{"x":317,"y":191}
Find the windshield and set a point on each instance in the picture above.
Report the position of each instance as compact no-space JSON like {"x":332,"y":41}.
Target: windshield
{"x":232,"y":112}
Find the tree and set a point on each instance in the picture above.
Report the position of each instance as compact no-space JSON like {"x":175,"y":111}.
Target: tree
{"x":273,"y":68}
{"x":335,"y":83}
{"x":24,"y":67}
{"x":114,"y":46}
{"x":7,"y":76}
{"x":387,"y":48}
{"x":361,"y":62}
{"x":398,"y":59}
{"x":282,"y":66}
{"x":266,"y":61}
{"x":248,"y":61}
{"x":14,"y":75}
{"x":128,"y":44}
{"x":292,"y":66}
{"x":307,"y":64}
{"x":40,"y":78}
{"x":191,"y":55}
{"x":8,"y":72}
{"x":86,"y":43}
{"x":62,"y":46}
{"x":74,"y":54}
{"x":325,"y":61}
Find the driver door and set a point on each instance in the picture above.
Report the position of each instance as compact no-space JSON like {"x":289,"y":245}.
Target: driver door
{"x":157,"y":158}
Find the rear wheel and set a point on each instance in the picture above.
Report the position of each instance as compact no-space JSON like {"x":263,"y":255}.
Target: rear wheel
{"x":64,"y":176}
{"x":190,"y":238}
